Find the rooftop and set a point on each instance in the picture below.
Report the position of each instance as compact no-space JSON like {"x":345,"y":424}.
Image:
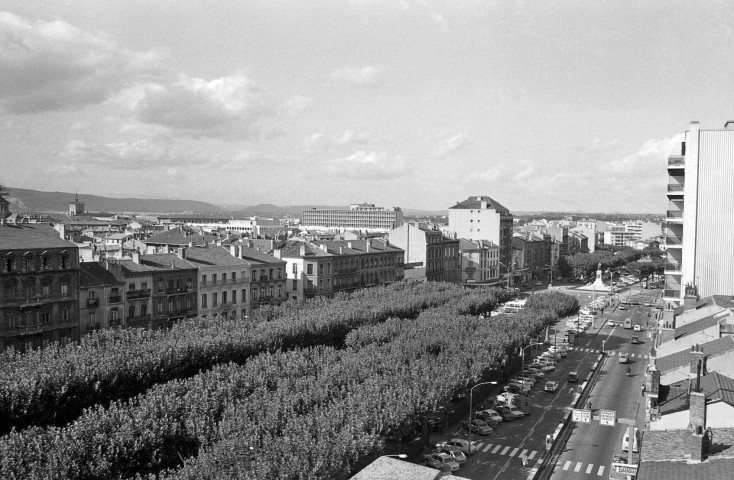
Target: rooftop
{"x":165,"y":261}
{"x":717,"y":387}
{"x":92,"y":274}
{"x":180,"y":237}
{"x":476,"y":203}
{"x":30,"y":236}
{"x":213,"y":255}
{"x":680,"y":359}
{"x":665,"y":456}
{"x":389,"y":468}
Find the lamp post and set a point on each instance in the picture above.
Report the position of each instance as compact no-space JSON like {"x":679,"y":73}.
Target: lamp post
{"x":522,"y":355}
{"x":471,"y":411}
{"x":551,"y":272}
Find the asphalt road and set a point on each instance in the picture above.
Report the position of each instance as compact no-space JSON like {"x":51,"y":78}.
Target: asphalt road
{"x":589,"y":451}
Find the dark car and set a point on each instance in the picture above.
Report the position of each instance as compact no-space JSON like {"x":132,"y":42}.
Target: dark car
{"x":505,"y":413}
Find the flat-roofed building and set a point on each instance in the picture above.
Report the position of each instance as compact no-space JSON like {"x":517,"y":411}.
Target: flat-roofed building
{"x":362,"y":216}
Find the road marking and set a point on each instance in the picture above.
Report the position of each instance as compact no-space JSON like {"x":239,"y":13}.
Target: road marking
{"x":589,"y":468}
{"x":601,"y":470}
{"x":496,"y":448}
{"x":479,"y":445}
{"x":505,"y":450}
{"x":532,"y":454}
{"x":577,"y":467}
{"x":568,"y":464}
{"x":489,"y":445}
{"x":512,"y":453}
{"x":524,"y":452}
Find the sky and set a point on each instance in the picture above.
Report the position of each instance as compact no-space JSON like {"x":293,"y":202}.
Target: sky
{"x":541,"y":105}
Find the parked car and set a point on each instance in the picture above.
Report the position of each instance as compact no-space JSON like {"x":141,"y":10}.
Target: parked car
{"x":459,"y":456}
{"x":626,"y":441}
{"x":507,"y":398}
{"x":524,"y":378}
{"x":462,"y":444}
{"x":435,"y":460}
{"x":649,"y":304}
{"x":535,"y":372}
{"x":548,"y":367}
{"x":515,"y":411}
{"x":506,"y":414}
{"x":622,"y":307}
{"x":637,"y":328}
{"x":512,"y":387}
{"x":478,"y":426}
{"x":488,"y":416}
{"x":551,"y":386}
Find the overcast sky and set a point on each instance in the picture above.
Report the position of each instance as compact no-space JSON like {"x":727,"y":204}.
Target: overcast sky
{"x":418,"y":104}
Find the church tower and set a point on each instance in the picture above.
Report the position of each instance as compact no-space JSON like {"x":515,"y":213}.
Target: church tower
{"x":76,"y":207}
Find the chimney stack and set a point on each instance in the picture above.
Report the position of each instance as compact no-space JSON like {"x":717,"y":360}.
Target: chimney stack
{"x":697,"y":360}
{"x":303,"y":250}
{"x":136,"y":257}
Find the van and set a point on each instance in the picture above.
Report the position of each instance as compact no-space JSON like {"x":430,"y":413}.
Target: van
{"x":626,"y":441}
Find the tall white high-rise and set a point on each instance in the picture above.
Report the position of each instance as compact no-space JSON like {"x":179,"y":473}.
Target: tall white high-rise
{"x":699,"y":236}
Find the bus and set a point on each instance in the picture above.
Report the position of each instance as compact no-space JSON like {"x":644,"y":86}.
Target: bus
{"x":515,"y":306}
{"x":628,"y":323}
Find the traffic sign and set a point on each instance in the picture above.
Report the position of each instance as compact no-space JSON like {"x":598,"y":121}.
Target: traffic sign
{"x":625,"y":468}
{"x":581,"y":415}
{"x":608,"y":417}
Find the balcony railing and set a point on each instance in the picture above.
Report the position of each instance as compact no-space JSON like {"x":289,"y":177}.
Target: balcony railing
{"x":115,"y":299}
{"x":174,"y":291}
{"x":138,"y":318}
{"x":142,"y":293}
{"x":675,"y":188}
{"x":676,"y":161}
{"x":30,"y":302}
{"x":672,"y":267}
{"x":92,"y":302}
{"x":674,"y":214}
{"x":673,"y":240}
{"x":671,"y":293}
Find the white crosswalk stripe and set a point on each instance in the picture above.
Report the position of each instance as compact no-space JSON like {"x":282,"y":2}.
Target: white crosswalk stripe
{"x":532,"y":454}
{"x":496,"y":449}
{"x":524,"y":452}
{"x":577,"y":467}
{"x":513,"y":452}
{"x":489,"y":445}
{"x":566,"y":465}
{"x":589,"y":468}
{"x":601,"y":471}
{"x":505,"y":450}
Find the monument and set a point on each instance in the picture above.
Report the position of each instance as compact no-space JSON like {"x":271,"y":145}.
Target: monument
{"x":599,"y":283}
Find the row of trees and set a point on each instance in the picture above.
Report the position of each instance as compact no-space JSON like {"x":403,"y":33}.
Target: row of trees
{"x":584,"y":265}
{"x":311,"y":413}
{"x":53,"y":386}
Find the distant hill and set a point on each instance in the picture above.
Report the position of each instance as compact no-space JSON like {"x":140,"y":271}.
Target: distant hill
{"x":24,"y":200}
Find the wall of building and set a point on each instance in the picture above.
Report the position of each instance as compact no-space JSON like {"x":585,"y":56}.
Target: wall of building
{"x":476,"y":224}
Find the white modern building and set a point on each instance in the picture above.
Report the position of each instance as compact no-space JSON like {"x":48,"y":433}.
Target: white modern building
{"x":362,"y":216}
{"x":699,"y":234}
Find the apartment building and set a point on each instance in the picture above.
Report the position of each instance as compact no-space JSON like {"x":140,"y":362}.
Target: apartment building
{"x":362,"y":216}
{"x":700,"y":216}
{"x":429,"y":255}
{"x":101,"y":300}
{"x":532,"y":257}
{"x":479,"y":262}
{"x":483,"y":218}
{"x":322,"y":268}
{"x":39,"y":298}
{"x":175,"y":287}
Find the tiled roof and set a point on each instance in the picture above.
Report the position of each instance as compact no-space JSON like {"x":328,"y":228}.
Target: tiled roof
{"x":726,"y":301}
{"x":716,"y":387}
{"x":213,"y":255}
{"x":255,"y":255}
{"x":710,"y":349}
{"x":180,"y":237}
{"x":472,"y":203}
{"x":165,"y":261}
{"x":697,"y":326}
{"x":131,"y":266}
{"x":292,"y":249}
{"x":92,"y":274}
{"x":665,"y":456}
{"x":31,"y":235}
{"x":358,"y":247}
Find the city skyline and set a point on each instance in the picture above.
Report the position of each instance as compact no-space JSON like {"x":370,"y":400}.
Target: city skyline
{"x":556,"y":106}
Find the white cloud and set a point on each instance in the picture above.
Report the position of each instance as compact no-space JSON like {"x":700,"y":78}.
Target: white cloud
{"x":54,"y":65}
{"x":527,"y":172}
{"x":367,"y":76}
{"x":452,"y":144}
{"x":367,"y":165}
{"x":649,"y":159}
{"x":321,"y":143}
{"x":229,"y":108}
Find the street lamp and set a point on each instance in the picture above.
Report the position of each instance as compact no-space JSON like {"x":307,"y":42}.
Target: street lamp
{"x":471,"y":412}
{"x":551,"y":273}
{"x":522,"y":354}
{"x":401,"y":455}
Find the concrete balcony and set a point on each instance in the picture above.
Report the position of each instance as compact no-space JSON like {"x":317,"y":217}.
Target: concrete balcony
{"x":675,"y":190}
{"x":132,"y":294}
{"x":674,"y":216}
{"x":673,"y":268}
{"x":676,"y":162}
{"x":671,"y":294}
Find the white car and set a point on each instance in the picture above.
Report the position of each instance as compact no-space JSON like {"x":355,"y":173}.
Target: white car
{"x":435,"y":460}
{"x":462,"y":444}
{"x":551,"y":386}
{"x":488,"y":414}
{"x":637,"y":328}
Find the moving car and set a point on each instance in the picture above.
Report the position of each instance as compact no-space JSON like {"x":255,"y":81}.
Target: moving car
{"x":462,"y":444}
{"x":478,"y":426}
{"x":551,"y":386}
{"x":435,"y":460}
{"x":626,"y":441}
{"x":573,"y":377}
{"x":623,"y":358}
{"x":638,"y":328}
{"x":634,"y":340}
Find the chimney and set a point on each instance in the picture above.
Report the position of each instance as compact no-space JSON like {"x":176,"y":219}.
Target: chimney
{"x":697,"y":410}
{"x":369,"y":244}
{"x":182,"y":252}
{"x":479,"y":198}
{"x":136,"y":257}
{"x":276,"y":253}
{"x":697,"y":360}
{"x":233,"y":250}
{"x":302,"y":253}
{"x":349,"y":244}
{"x":341,"y":249}
{"x":696,"y":445}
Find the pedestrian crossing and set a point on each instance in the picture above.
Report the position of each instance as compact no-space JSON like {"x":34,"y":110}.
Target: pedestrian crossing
{"x":505,"y":450}
{"x":609,"y":352}
{"x":581,"y":467}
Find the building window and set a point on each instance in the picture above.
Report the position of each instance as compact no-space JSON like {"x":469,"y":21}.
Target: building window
{"x":224,"y":278}
{"x":243,"y":295}
{"x":9,"y":264}
{"x":44,"y":263}
{"x":160,"y":306}
{"x":170,"y":305}
{"x":254,"y":275}
{"x":203,"y":301}
{"x":63,"y":262}
{"x":254,"y":294}
{"x":188,"y":303}
{"x":214,"y":299}
{"x":234,"y":296}
{"x":203,"y":279}
{"x":161,"y":287}
{"x":243,"y":313}
{"x":64,"y":287}
{"x":66,"y":314}
{"x":131,"y":311}
{"x":295,"y":284}
{"x":224,"y":298}
{"x":143,"y":309}
{"x":280,"y":272}
{"x":234,"y":277}
{"x":214,"y":279}
{"x":92,"y":319}
{"x":46,"y":288}
{"x":309,"y":269}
